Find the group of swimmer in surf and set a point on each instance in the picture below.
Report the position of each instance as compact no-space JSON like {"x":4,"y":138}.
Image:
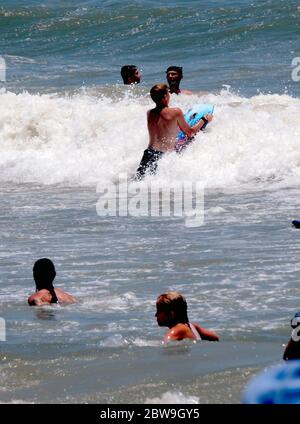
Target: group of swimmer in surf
{"x":171,"y":308}
{"x":163,"y":121}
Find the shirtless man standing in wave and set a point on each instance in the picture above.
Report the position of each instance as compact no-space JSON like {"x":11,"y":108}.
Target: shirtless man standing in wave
{"x":163,"y":123}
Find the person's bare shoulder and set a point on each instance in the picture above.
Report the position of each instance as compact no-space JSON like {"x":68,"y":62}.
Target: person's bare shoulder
{"x":64,"y":297}
{"x":40,"y":298}
{"x":178,"y":332}
{"x":201,"y":93}
{"x":175,"y":112}
{"x":169,"y":113}
{"x":195,"y":93}
{"x":188,"y":92}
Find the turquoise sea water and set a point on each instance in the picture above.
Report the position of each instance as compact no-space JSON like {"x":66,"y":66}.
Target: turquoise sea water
{"x":68,"y":126}
{"x":248,"y":45}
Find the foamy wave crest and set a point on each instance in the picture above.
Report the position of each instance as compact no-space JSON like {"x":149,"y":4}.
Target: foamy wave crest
{"x":84,"y":139}
{"x":173,"y":398}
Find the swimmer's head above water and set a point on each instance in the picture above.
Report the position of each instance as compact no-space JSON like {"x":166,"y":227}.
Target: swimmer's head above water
{"x":44,"y":274}
{"x":160,"y":94}
{"x":172,"y":70}
{"x":171,"y":309}
{"x":130,"y":74}
{"x":174,"y":76}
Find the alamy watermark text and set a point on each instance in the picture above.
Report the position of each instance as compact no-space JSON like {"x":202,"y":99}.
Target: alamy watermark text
{"x":140,"y":199}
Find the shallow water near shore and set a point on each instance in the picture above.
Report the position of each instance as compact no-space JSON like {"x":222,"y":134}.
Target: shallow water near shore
{"x":239,"y":272}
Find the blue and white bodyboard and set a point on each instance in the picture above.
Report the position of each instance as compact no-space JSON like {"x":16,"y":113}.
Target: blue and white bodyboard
{"x":192,"y":116}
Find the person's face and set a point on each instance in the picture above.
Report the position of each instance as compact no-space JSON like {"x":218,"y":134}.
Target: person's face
{"x":163,"y":317}
{"x":137,"y":76}
{"x":173,"y":77}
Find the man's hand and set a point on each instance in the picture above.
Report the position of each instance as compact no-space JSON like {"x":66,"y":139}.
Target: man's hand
{"x":208,"y":117}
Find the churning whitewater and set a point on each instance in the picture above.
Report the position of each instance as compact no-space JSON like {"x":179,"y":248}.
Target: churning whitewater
{"x":84,"y":139}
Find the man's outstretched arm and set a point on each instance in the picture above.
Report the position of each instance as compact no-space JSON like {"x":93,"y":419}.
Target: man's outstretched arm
{"x":190,"y":131}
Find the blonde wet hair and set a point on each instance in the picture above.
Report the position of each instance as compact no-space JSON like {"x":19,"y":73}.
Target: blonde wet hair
{"x":158,"y":92}
{"x":174,"y":301}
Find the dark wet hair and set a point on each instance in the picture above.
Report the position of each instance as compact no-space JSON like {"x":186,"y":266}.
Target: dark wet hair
{"x":44,"y":274}
{"x":177,"y":69}
{"x":127,"y":71}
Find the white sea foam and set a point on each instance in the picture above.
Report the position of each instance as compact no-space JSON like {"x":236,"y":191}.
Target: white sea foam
{"x":216,"y":210}
{"x":110,"y":302}
{"x":173,"y":398}
{"x":85,"y":140}
{"x":117,"y":340}
{"x":16,"y":402}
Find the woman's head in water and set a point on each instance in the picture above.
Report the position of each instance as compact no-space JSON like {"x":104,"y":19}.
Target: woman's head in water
{"x":44,"y":274}
{"x":171,"y":309}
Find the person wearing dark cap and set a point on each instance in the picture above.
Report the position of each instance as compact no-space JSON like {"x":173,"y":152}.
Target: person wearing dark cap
{"x":44,"y":274}
{"x":292,"y":350}
{"x":130,"y":74}
{"x":174,"y":77}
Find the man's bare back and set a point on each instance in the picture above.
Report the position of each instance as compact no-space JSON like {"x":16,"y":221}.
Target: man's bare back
{"x":163,"y":128}
{"x":163,"y":124}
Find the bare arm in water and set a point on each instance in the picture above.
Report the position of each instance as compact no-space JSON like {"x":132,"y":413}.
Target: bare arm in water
{"x":43,"y":297}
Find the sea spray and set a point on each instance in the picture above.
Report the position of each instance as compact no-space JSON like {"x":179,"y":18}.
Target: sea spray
{"x":86,"y":140}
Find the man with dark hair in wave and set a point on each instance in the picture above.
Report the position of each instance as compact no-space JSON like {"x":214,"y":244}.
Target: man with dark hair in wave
{"x":130,"y":74}
{"x":163,"y":122}
{"x":174,"y":77}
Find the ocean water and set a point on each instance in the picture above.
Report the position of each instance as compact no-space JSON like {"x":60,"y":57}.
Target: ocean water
{"x":68,"y":129}
{"x":248,"y":45}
